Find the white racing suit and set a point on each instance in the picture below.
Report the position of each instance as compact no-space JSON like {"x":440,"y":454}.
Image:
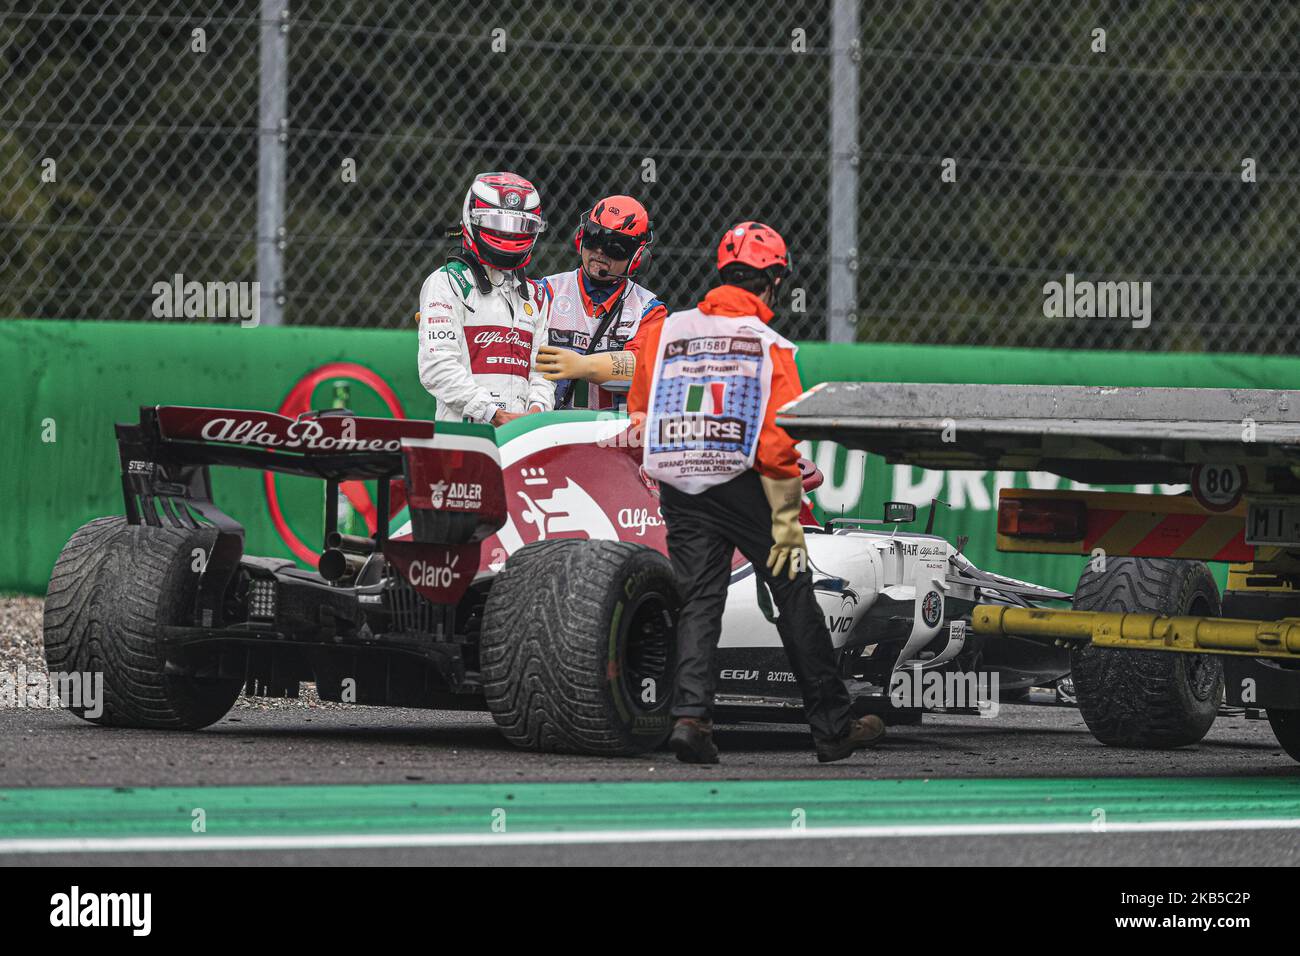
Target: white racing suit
{"x":477,"y":349}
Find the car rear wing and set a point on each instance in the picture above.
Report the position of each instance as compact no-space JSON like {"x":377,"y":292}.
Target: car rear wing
{"x":165,"y":458}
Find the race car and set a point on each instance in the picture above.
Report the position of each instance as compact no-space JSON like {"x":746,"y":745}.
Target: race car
{"x":524,"y":573}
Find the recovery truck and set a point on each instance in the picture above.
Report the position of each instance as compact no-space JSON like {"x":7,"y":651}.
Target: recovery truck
{"x":1154,"y":646}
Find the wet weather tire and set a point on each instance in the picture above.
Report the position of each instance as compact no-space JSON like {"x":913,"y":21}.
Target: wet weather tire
{"x":1147,"y":699}
{"x":1286,"y":727}
{"x":579,"y":647}
{"x":112,"y":586}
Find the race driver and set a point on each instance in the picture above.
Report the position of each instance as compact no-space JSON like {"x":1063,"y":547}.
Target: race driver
{"x":599,"y":314}
{"x":709,"y":385}
{"x":481,"y":318}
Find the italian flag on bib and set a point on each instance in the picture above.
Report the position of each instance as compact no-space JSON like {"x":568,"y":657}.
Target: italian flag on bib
{"x":708,"y":399}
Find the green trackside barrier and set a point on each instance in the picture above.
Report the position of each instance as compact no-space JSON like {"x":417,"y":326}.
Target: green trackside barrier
{"x":70,"y":381}
{"x":73,"y":380}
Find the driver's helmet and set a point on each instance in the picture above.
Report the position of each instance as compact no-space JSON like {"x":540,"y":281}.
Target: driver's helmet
{"x":501,"y":220}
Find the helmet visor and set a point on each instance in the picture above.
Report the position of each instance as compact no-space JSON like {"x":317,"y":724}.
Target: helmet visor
{"x":504,"y":221}
{"x":615,"y":244}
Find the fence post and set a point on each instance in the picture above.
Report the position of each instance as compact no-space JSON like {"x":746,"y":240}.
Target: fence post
{"x":842,"y":264}
{"x":273,"y":134}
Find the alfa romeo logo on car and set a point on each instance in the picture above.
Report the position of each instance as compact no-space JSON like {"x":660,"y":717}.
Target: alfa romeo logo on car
{"x":931,"y":609}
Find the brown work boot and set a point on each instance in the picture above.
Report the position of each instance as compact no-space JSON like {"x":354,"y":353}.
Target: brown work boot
{"x":692,"y":741}
{"x":863,"y":732}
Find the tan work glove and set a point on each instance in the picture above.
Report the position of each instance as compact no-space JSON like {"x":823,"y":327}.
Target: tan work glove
{"x":557,"y":364}
{"x":785,"y":495}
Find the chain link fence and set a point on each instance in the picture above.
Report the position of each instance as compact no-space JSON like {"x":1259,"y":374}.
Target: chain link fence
{"x":935,"y":166}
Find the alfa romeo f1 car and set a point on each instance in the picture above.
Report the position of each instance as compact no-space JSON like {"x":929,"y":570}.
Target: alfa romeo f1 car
{"x":524,"y":573}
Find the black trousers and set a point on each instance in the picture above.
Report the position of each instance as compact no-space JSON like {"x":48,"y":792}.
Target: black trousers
{"x":703,"y":530}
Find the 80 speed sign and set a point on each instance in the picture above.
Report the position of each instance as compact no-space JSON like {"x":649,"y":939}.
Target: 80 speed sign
{"x":1218,"y":487}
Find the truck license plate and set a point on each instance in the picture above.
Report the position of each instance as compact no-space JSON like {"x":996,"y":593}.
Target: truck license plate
{"x":1273,"y":524}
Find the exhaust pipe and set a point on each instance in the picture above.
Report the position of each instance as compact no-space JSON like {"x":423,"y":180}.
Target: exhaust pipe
{"x":350,"y":542}
{"x":335,"y":565}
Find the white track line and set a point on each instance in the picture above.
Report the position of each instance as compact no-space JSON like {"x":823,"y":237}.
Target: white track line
{"x":359,"y":841}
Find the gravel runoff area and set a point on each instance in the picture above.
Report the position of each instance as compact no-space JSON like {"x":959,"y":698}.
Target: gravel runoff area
{"x":22,"y":655}
{"x":20,"y":634}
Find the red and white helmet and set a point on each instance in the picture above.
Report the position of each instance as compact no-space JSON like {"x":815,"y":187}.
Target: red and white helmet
{"x":501,"y":220}
{"x":756,"y":245}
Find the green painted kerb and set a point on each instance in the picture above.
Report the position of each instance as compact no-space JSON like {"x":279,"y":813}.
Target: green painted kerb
{"x":572,"y":807}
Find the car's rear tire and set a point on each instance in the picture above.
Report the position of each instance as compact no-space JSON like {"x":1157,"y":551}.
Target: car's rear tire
{"x":1286,"y":727}
{"x":579,"y":645}
{"x":1147,"y":699}
{"x":112,"y":586}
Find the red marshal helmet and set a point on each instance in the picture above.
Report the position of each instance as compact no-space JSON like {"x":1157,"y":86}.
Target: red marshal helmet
{"x":501,"y":220}
{"x":756,"y":245}
{"x":621,"y":228}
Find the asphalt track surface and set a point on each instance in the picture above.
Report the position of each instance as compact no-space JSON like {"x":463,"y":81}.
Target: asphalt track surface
{"x":383,"y":786}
